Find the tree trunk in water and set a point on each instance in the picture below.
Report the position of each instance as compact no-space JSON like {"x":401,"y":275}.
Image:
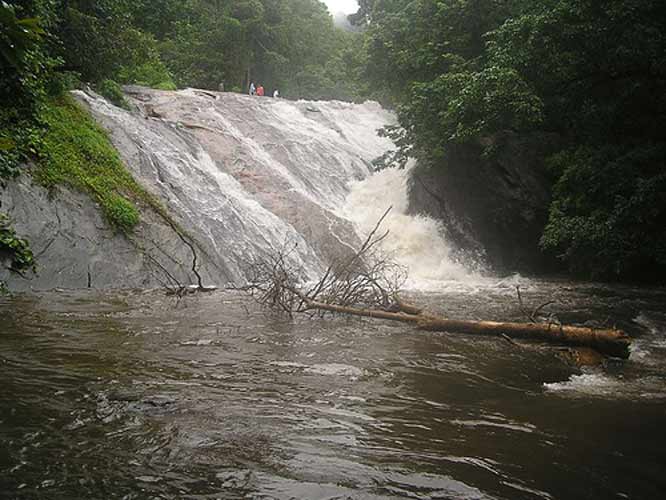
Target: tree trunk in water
{"x":606,"y":341}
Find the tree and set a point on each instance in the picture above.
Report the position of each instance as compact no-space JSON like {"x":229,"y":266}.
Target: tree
{"x":466,"y":72}
{"x":363,"y":15}
{"x":24,"y":70}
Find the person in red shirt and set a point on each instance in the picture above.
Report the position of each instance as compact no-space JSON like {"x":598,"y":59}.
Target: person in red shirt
{"x":260,"y":90}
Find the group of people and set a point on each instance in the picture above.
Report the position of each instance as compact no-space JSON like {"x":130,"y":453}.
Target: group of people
{"x":260,"y":90}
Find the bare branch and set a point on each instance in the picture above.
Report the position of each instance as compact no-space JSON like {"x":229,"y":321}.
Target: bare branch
{"x":364,"y":278}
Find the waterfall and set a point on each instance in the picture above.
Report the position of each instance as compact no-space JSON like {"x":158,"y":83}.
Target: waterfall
{"x":415,"y":242}
{"x":248,"y":175}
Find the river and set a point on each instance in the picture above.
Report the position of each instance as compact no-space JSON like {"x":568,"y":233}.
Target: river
{"x":138,"y":395}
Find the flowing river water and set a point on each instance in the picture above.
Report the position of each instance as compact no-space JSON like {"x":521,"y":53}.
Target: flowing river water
{"x":139,"y":395}
{"x":134,"y":394}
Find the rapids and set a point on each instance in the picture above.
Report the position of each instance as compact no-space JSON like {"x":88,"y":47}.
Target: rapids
{"x":246,"y":176}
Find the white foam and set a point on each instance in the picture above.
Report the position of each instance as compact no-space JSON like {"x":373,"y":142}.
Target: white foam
{"x":247,"y":183}
{"x":646,"y":321}
{"x":329,"y":369}
{"x":606,"y":386}
{"x":648,"y":349}
{"x":415,"y":242}
{"x":336,"y":369}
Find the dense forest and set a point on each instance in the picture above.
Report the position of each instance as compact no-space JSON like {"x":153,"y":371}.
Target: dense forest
{"x":587,"y":75}
{"x":591,"y":75}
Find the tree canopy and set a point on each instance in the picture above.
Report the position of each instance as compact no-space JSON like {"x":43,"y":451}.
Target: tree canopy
{"x":463,"y":72}
{"x":292,"y":45}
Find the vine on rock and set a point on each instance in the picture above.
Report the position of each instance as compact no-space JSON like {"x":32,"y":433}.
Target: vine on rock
{"x":16,"y":249}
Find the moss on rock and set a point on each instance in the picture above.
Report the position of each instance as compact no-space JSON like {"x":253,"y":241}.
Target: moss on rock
{"x":76,"y":151}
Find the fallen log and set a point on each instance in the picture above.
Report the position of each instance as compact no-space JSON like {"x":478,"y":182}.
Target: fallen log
{"x":606,"y":341}
{"x":610,"y":342}
{"x":367,"y":284}
{"x":407,"y":308}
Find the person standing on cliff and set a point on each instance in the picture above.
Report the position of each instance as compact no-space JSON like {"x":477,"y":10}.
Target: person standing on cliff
{"x":252,"y":88}
{"x":260,"y":90}
{"x":276,"y":93}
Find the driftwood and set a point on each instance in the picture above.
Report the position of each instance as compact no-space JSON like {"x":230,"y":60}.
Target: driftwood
{"x":368,"y":285}
{"x":606,"y":341}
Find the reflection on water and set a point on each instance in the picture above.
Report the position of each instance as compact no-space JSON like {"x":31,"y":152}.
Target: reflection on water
{"x":135,"y":395}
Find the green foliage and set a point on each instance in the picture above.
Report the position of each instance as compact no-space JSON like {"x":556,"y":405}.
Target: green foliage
{"x":18,"y":36}
{"x":142,"y":64}
{"x":593,"y":73}
{"x":150,"y":74}
{"x":113,"y":92}
{"x":291,"y":45}
{"x":100,"y":41}
{"x":120,"y":211}
{"x":363,"y":16}
{"x":62,"y":81}
{"x":16,"y":248}
{"x":18,"y":143}
{"x":25,"y":79}
{"x":608,"y":217}
{"x":96,"y":38}
{"x":399,"y":157}
{"x":76,"y":152}
{"x":600,"y":72}
{"x":9,"y":159}
{"x":196,"y":53}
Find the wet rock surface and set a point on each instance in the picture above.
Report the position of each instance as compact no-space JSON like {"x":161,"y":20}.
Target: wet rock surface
{"x":75,"y":247}
{"x":242,"y":176}
{"x":495,"y":207}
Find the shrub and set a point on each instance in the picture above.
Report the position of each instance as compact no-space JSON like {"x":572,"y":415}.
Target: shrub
{"x":120,"y":212}
{"x":149,"y":74}
{"x":113,"y":92}
{"x":17,"y":248}
{"x":608,"y":212}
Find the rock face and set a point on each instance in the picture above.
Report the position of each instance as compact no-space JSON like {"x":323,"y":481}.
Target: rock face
{"x":494,"y":208}
{"x":241,"y":175}
{"x":76,"y":248}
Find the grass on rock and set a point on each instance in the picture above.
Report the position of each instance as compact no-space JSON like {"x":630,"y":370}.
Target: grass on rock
{"x":76,"y":151}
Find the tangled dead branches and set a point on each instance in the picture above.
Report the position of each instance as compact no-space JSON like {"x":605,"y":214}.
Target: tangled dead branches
{"x":364,"y":279}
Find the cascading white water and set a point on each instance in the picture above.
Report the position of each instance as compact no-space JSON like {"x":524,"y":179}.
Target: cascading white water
{"x":415,"y":242}
{"x":248,"y":175}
